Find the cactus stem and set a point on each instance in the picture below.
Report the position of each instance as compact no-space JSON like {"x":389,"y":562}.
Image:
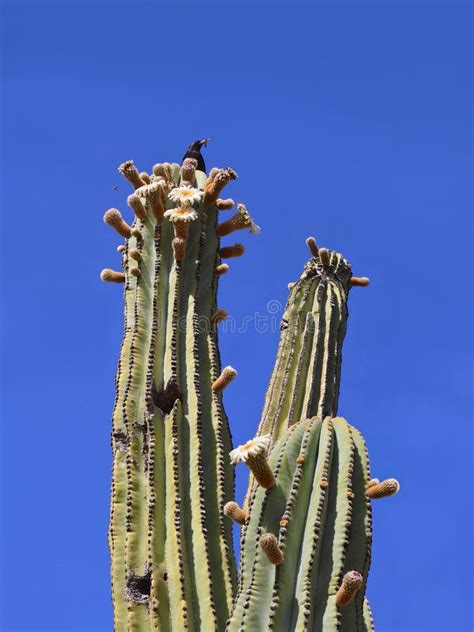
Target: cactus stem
{"x":233,"y":511}
{"x":112,"y":276}
{"x":351,"y":583}
{"x":179,"y":246}
{"x":359,"y":281}
{"x":222,"y":269}
{"x":389,"y":487}
{"x":130,"y":172}
{"x":136,"y":205}
{"x":225,"y":205}
{"x":113,"y":218}
{"x":225,"y":378}
{"x":236,"y":250}
{"x":324,"y":256}
{"x":269,"y":545}
{"x":312,"y":246}
{"x":135,"y":254}
{"x":218,"y":316}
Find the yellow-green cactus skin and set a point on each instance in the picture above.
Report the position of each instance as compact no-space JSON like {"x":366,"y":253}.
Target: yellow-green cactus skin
{"x":306,"y":526}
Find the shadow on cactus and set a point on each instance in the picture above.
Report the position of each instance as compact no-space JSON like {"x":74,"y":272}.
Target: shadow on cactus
{"x":306,"y":526}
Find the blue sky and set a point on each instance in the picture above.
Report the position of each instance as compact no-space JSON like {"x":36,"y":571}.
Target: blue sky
{"x":349,"y":121}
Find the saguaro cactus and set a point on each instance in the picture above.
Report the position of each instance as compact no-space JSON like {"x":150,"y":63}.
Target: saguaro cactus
{"x":306,"y":522}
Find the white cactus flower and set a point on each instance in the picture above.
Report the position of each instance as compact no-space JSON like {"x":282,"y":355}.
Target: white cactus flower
{"x":181,"y":214}
{"x":185,"y":195}
{"x":252,"y":448}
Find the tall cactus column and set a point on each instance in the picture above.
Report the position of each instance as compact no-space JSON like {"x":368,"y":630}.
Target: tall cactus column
{"x":171,"y":547}
{"x":306,"y":524}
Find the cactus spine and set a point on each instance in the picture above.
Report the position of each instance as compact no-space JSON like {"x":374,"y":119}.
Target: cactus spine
{"x":306,"y":525}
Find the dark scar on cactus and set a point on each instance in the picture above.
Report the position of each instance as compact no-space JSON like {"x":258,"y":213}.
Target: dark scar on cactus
{"x":121,"y":440}
{"x":138,"y":587}
{"x":165,"y":398}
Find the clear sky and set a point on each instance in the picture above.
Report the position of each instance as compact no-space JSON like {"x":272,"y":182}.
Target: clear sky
{"x":348,"y":121}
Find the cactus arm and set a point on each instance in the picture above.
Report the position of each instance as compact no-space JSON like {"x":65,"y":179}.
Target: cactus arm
{"x":305,"y":381}
{"x":292,"y":323}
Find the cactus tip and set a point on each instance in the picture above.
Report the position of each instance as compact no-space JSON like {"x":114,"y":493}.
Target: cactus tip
{"x":112,"y":276}
{"x":359,"y":281}
{"x":312,"y":246}
{"x":218,"y":316}
{"x":113,"y":218}
{"x":225,"y":378}
{"x":389,"y":487}
{"x":233,"y":511}
{"x":222,"y":269}
{"x":236,"y":250}
{"x":324,"y":256}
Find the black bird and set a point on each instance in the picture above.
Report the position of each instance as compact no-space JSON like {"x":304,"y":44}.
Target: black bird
{"x":194,"y":151}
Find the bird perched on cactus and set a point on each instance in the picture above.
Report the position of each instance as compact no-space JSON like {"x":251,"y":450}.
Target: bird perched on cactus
{"x":194,"y":151}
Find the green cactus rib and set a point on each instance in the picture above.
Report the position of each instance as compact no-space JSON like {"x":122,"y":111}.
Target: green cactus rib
{"x":171,"y":548}
{"x":305,"y":381}
{"x":320,"y":513}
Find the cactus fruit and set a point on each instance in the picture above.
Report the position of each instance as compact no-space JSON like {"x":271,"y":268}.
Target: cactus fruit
{"x":306,"y":527}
